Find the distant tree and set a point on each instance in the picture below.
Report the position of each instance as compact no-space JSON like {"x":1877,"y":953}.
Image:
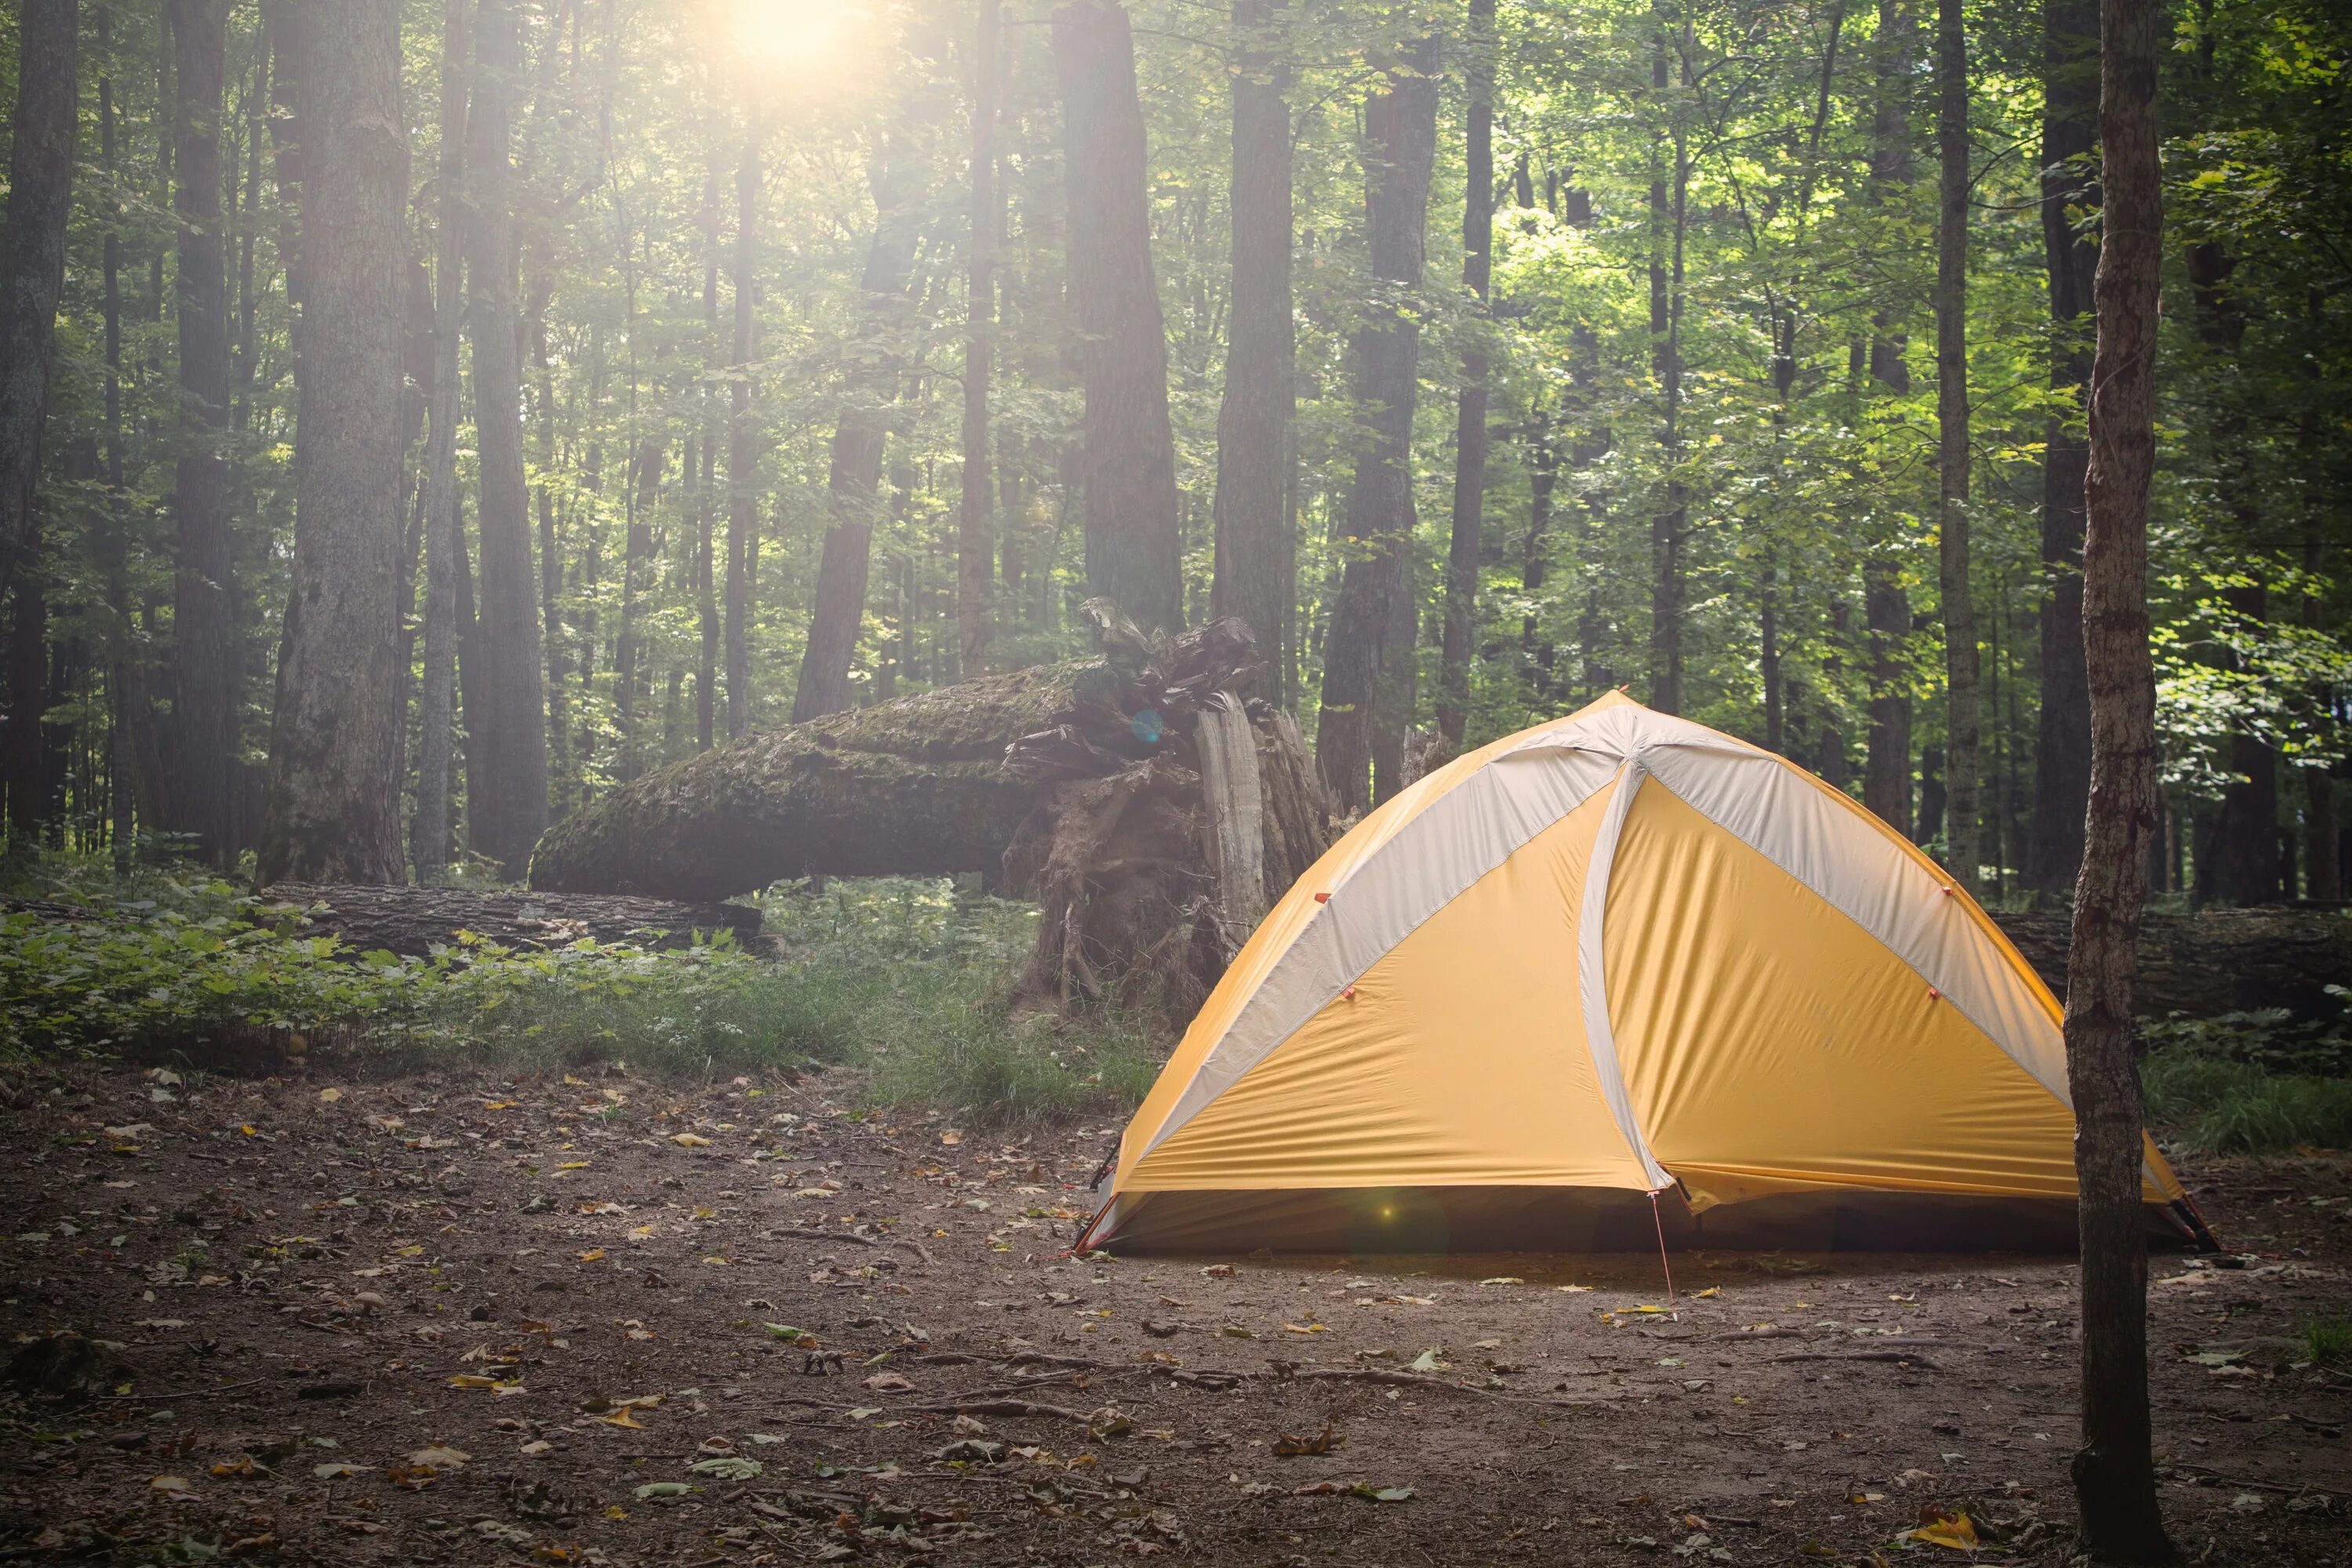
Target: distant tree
{"x":40,"y":200}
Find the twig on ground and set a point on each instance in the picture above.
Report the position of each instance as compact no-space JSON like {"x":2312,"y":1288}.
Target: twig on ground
{"x":801,"y":1234}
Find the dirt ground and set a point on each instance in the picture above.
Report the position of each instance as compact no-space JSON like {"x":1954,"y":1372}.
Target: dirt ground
{"x":606,"y":1322}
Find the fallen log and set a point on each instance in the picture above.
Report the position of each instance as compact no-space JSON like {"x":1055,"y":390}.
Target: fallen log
{"x":2215,"y":962}
{"x":912,"y":787}
{"x":412,"y":921}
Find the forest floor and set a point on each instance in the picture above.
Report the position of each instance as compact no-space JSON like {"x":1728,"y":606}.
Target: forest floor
{"x":603,"y":1320}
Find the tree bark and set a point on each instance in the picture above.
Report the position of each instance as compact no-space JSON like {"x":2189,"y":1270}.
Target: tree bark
{"x":1128,"y":465}
{"x":742,"y":440}
{"x":1886,"y":765}
{"x":22,"y":794}
{"x":859,"y":438}
{"x":976,"y":546}
{"x":1962,"y":811}
{"x":2113,"y":1470}
{"x":1669,"y":229}
{"x":2070,"y":197}
{"x":507,"y":740}
{"x":1256,"y":569}
{"x":40,"y":200}
{"x":334,"y":786}
{"x":1886,"y":603}
{"x":1462,"y":548}
{"x":637,"y":570}
{"x":1401,"y":135}
{"x":204,"y":703}
{"x":428,"y":840}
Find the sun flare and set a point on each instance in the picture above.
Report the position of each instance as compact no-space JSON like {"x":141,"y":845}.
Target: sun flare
{"x":789,"y":35}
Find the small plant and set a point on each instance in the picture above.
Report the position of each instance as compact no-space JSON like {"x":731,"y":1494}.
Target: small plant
{"x":2326,"y":1339}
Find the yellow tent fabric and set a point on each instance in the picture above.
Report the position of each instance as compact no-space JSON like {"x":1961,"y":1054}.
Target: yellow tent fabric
{"x":1615,"y":957}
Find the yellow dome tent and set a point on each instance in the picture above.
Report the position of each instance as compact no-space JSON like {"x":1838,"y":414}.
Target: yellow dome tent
{"x":1618,"y":972}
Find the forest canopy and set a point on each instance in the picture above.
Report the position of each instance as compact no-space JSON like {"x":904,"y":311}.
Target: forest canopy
{"x":737,"y":362}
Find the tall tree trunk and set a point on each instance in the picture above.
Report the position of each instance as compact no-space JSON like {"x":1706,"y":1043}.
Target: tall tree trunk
{"x":854,"y":481}
{"x":204,"y":704}
{"x":506,"y":741}
{"x":1127,"y":469}
{"x":2115,"y":1471}
{"x":1399,"y":155}
{"x":40,"y":199}
{"x":742,"y":440}
{"x":704,"y":480}
{"x":637,"y":570}
{"x":129,"y":762}
{"x":334,"y":786}
{"x":1256,"y":571}
{"x":2070,"y":195}
{"x":22,"y":795}
{"x":428,"y":839}
{"x":1963,"y":814}
{"x":1463,"y":551}
{"x":976,"y":546}
{"x":1886,"y":767}
{"x":1669,"y":525}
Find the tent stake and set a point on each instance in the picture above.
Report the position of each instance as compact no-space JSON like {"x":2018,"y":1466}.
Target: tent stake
{"x":1657,"y":1220}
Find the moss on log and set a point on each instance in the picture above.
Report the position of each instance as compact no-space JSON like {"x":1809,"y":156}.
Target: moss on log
{"x":916,"y":787}
{"x":2220,"y":960}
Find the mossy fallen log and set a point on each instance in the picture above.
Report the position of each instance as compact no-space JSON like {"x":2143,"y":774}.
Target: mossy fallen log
{"x":2219,"y":961}
{"x":912,"y":787}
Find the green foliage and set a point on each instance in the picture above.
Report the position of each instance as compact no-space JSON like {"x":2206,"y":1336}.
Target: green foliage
{"x":2250,"y":1083}
{"x":2326,"y":1337}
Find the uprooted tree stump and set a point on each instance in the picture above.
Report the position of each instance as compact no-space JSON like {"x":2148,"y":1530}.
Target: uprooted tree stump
{"x":1150,"y":802}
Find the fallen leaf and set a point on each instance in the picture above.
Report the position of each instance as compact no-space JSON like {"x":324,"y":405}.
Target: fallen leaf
{"x":330,"y":1095}
{"x":653,"y":1490}
{"x":690,"y":1140}
{"x":1940,"y":1526}
{"x":728,"y":1467}
{"x":440,"y":1457}
{"x":1323,"y":1442}
{"x":889,"y":1383}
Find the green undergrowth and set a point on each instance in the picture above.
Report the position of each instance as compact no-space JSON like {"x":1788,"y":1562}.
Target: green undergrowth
{"x":905,"y":978}
{"x":2250,"y":1083}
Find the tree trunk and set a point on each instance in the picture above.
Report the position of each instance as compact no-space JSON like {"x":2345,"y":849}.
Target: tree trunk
{"x":2114,"y":1471}
{"x":428,"y":840}
{"x":507,"y":740}
{"x":742,"y":440}
{"x":1669,"y":228}
{"x":637,"y":570}
{"x":2070,"y":197}
{"x":1962,"y":810}
{"x":1887,"y":767}
{"x":852,"y":487}
{"x":1256,"y":571}
{"x":1462,"y":551}
{"x":21,"y":792}
{"x":1400,"y":150}
{"x":40,"y":200}
{"x":204,"y":704}
{"x":975,"y":544}
{"x":1128,"y":467}
{"x":334,"y":786}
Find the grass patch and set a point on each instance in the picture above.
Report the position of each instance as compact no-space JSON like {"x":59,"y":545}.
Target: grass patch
{"x":905,"y":977}
{"x":2326,"y":1339}
{"x":2215,"y":1105}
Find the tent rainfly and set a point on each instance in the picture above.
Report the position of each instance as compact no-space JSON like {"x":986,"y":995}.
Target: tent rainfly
{"x":1617,"y":977}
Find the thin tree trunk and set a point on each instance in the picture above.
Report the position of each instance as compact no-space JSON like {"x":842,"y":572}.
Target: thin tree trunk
{"x":2114,"y":1471}
{"x":204,"y":705}
{"x":2070,"y":195}
{"x":1257,"y":571}
{"x":21,"y":753}
{"x":1462,"y":550}
{"x":976,"y":546}
{"x":1129,"y":463}
{"x":637,"y":568}
{"x":742,"y":440}
{"x":335,"y":787}
{"x":704,"y":481}
{"x":859,"y":437}
{"x":1669,"y":225}
{"x":1401,"y":135}
{"x":126,"y":678}
{"x":1886,"y":603}
{"x":506,"y":741}
{"x":428,"y":840}
{"x":40,"y":200}
{"x":1963,"y":812}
